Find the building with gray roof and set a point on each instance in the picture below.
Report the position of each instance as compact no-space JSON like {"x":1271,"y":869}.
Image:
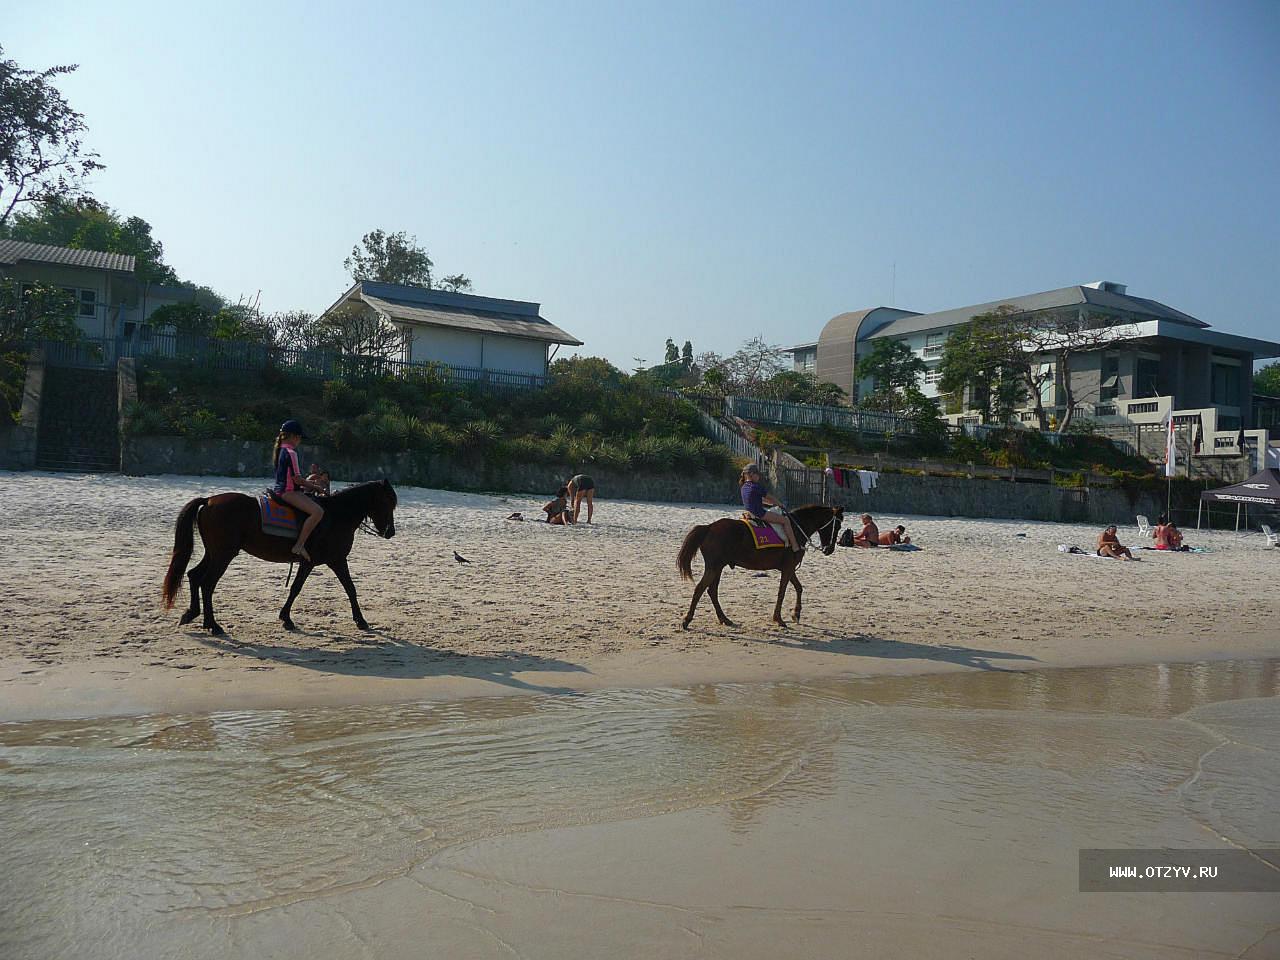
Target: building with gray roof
{"x":461,"y":329}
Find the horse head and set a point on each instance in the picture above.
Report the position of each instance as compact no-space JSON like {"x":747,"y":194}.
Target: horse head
{"x":830,"y":530}
{"x":382,"y":509}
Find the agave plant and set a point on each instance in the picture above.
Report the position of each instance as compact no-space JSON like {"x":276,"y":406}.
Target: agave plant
{"x":591,"y":422}
{"x":437,"y":438}
{"x":482,"y":433}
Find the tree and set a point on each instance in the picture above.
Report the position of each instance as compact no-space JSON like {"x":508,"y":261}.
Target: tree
{"x":41,"y":152}
{"x":397,"y":258}
{"x":895,"y":370}
{"x":686,"y":355}
{"x":359,"y":331}
{"x":672,"y":352}
{"x":35,"y":311}
{"x":86,"y":224}
{"x":1267,"y":380}
{"x":296,"y":330}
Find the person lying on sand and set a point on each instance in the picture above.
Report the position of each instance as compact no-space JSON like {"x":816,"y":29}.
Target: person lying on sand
{"x":1109,"y":545}
{"x":869,"y":535}
{"x":557,"y":510}
{"x":897,"y":535}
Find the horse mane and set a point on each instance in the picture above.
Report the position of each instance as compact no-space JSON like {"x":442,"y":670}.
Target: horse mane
{"x":351,"y":503}
{"x":800,"y":513}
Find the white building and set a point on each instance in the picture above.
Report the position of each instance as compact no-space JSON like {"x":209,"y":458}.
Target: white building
{"x":459,"y":329}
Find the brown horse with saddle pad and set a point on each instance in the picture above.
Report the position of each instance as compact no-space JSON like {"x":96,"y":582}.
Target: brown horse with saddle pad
{"x":266,"y":529}
{"x":733,"y":543}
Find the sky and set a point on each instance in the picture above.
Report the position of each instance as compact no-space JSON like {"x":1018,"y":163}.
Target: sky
{"x":702,"y":171}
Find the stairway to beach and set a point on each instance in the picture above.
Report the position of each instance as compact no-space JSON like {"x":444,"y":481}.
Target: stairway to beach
{"x":78,"y":421}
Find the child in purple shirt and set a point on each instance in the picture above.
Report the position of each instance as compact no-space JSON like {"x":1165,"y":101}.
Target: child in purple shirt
{"x":755,"y":498}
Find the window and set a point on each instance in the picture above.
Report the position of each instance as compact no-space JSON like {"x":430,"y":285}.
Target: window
{"x":1146,"y":377}
{"x":806,"y":360}
{"x":86,"y":301}
{"x":933,"y":344}
{"x":1224,"y":387}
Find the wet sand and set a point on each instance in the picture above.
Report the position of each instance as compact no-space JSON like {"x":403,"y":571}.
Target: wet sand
{"x":931,"y":816}
{"x":544,"y":609}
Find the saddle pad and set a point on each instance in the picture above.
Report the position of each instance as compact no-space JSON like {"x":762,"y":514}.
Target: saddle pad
{"x":278,"y":520}
{"x":765,"y":536}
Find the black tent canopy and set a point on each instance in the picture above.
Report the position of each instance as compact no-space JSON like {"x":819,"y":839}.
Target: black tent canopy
{"x":1262,"y":489}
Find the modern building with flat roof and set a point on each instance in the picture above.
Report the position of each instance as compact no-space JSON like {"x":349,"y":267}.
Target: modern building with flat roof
{"x":1163,"y":362}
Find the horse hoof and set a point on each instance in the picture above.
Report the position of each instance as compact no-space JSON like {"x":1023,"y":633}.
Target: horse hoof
{"x":188,"y":617}
{"x":684,"y":625}
{"x":217,"y":630}
{"x":363,"y":625}
{"x":288,"y":625}
{"x":728,"y":623}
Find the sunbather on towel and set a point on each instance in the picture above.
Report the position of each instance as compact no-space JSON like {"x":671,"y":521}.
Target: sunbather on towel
{"x":897,"y":535}
{"x":1109,"y":545}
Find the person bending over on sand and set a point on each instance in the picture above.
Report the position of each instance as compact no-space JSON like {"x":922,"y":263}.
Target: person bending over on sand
{"x":582,"y":487}
{"x":1109,"y":545}
{"x":869,"y":535}
{"x":897,"y":535}
{"x":291,"y":486}
{"x":755,"y":499}
{"x":557,"y":510}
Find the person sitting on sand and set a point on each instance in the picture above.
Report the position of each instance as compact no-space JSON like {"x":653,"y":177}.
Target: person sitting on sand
{"x":581,"y":487}
{"x":1172,"y":538}
{"x":292,"y":487}
{"x":897,"y":535}
{"x":557,"y":510}
{"x":1109,"y":545}
{"x":869,"y":535}
{"x":755,"y":499}
{"x":1157,"y":532}
{"x":320,"y":478}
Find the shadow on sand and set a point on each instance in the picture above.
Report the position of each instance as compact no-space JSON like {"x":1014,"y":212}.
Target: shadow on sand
{"x":385,"y":655}
{"x":867,"y":645}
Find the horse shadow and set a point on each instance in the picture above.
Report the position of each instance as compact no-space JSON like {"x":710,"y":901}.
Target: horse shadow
{"x":822,"y":640}
{"x":396,"y":658}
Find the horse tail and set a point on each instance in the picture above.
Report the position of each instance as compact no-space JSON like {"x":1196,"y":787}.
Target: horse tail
{"x":183,"y":544}
{"x":692,"y":541}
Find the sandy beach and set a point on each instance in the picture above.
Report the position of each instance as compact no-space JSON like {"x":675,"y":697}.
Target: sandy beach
{"x":546,"y":609}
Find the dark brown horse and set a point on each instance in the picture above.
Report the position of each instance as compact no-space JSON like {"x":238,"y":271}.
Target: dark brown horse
{"x":231,"y":522}
{"x":728,"y":543}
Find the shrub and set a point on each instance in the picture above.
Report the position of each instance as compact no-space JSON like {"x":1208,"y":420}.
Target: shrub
{"x":343,"y":400}
{"x":143,"y":420}
{"x":203,"y":425}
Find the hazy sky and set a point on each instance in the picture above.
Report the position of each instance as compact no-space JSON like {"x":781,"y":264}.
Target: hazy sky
{"x":695,"y":170}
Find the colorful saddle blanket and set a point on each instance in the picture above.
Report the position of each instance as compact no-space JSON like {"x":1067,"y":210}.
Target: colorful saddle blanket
{"x":278,"y":519}
{"x":764,"y":535}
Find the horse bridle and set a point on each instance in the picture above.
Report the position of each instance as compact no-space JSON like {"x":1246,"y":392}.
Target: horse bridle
{"x":817,"y":532}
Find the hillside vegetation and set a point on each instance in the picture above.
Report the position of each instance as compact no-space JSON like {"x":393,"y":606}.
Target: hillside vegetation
{"x":590,"y":413}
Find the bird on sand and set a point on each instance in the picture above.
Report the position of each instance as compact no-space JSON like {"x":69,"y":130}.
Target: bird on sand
{"x":459,"y":557}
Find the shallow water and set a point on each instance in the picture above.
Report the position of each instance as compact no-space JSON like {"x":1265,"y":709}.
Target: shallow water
{"x":218,"y":835}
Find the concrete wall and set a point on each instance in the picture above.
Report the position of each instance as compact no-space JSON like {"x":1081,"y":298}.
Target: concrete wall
{"x":237,"y":458}
{"x":465,"y":348}
{"x":961,"y":497}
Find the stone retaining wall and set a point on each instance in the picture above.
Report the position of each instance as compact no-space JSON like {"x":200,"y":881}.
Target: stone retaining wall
{"x":18,"y":441}
{"x":898,"y":494}
{"x":245,"y":458}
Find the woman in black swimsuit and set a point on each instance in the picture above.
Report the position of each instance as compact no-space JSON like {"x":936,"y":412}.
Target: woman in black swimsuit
{"x":582,"y":487}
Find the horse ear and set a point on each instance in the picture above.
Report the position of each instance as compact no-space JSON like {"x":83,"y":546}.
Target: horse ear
{"x":839,"y":512}
{"x":386,"y":483}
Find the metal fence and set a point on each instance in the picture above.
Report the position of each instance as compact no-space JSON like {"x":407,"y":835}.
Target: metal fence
{"x":239,"y":355}
{"x":786,"y":414}
{"x":740,"y":445}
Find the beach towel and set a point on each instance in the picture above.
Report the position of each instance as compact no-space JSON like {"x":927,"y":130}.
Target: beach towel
{"x":278,"y":519}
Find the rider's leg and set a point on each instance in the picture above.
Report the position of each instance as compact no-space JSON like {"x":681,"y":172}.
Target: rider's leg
{"x":782,"y":520}
{"x":314,"y":512}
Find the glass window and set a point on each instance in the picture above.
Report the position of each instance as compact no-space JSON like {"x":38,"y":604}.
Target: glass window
{"x":1146,"y":378}
{"x":1225,"y":385}
{"x":88,"y":303}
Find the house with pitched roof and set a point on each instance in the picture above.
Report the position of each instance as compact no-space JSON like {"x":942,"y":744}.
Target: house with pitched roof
{"x":460,"y":329}
{"x":110,"y":301}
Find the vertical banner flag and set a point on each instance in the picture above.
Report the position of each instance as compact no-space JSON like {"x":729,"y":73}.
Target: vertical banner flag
{"x":1170,"y":450}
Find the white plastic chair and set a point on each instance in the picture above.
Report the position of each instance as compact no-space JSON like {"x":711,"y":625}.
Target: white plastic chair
{"x":1144,"y":527}
{"x":1273,"y":538}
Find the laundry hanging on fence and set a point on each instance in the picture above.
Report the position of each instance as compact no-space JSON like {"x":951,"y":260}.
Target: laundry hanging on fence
{"x":868,"y":479}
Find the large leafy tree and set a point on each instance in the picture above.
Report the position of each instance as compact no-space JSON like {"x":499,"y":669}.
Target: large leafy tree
{"x":398,"y":258}
{"x":895,"y":371}
{"x":42,"y":155}
{"x":86,"y":224}
{"x":988,"y":356}
{"x":1267,"y":380}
